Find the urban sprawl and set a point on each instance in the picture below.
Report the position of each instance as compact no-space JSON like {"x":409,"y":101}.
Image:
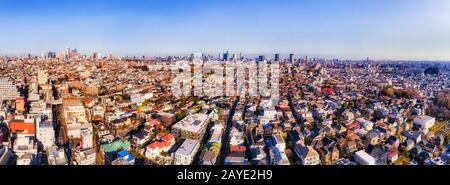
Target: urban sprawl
{"x":72,"y":109}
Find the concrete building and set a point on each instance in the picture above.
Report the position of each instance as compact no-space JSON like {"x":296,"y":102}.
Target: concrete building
{"x":85,"y":157}
{"x":186,"y":152}
{"x":424,"y":122}
{"x":191,"y":127}
{"x":45,"y":133}
{"x":8,"y":91}
{"x":306,"y":154}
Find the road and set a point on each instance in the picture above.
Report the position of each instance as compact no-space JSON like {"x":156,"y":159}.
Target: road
{"x":226,"y":134}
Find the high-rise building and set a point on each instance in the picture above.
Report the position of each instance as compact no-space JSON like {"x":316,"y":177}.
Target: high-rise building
{"x":51,"y":54}
{"x":291,"y":58}
{"x":73,"y":54}
{"x":45,"y":133}
{"x":67,"y":53}
{"x":277,"y":57}
{"x":8,"y":91}
{"x":226,"y":56}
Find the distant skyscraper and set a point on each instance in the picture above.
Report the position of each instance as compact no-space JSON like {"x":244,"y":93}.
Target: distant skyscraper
{"x":261,"y":58}
{"x":291,"y":58}
{"x":306,"y":58}
{"x":225,"y":56}
{"x":277,"y":57}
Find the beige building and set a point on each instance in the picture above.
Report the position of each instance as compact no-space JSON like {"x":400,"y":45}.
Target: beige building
{"x":306,"y":154}
{"x":191,"y":127}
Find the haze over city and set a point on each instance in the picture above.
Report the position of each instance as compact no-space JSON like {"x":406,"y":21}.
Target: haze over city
{"x":349,"y":29}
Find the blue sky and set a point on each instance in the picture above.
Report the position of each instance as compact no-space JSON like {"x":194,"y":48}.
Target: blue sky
{"x":355,"y":29}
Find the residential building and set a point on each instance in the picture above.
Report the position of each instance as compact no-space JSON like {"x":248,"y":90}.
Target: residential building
{"x":191,"y":127}
{"x":306,"y":154}
{"x":186,"y":152}
{"x":363,"y":158}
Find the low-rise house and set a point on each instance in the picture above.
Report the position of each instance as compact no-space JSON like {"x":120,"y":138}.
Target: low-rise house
{"x":363,"y":158}
{"x":373,"y":137}
{"x":306,"y":155}
{"x":124,"y":158}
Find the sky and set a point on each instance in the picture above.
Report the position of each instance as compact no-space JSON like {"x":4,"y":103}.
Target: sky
{"x":349,"y":29}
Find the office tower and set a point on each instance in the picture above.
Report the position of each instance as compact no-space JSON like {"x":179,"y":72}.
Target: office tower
{"x":51,"y":54}
{"x":225,"y":56}
{"x":241,"y":56}
{"x":291,"y":58}
{"x":73,"y":54}
{"x":67,"y":53}
{"x":261,"y":58}
{"x":8,"y":91}
{"x":306,"y":58}
{"x":277,"y":57}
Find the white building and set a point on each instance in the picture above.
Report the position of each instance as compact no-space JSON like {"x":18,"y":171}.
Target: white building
{"x":24,"y":145}
{"x":236,"y":137}
{"x":86,"y":138}
{"x":424,"y":122}
{"x":186,"y":152}
{"x":154,"y":149}
{"x":45,"y":133}
{"x":363,"y":158}
{"x":279,"y":142}
{"x":85,"y":157}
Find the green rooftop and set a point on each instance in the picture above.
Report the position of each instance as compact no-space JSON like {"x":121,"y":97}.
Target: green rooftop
{"x":116,"y":145}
